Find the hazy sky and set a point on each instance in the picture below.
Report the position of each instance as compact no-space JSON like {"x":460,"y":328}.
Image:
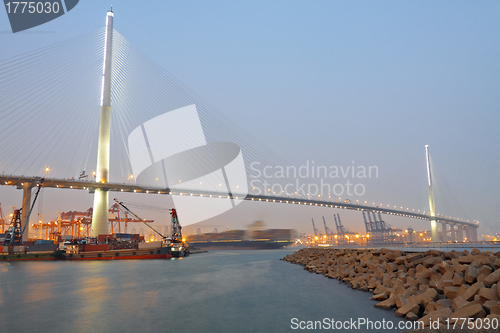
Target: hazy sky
{"x":329,"y":81}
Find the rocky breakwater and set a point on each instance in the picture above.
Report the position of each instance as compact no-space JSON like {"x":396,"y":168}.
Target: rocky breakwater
{"x":430,"y":286}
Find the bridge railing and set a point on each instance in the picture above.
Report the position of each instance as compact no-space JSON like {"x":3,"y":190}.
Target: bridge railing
{"x":423,"y":247}
{"x":447,"y":247}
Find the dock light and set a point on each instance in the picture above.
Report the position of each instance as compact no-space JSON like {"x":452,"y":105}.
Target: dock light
{"x":324,"y":236}
{"x":131,"y":176}
{"x":184,"y":239}
{"x":357,"y":236}
{"x":335,"y":236}
{"x":368,"y":236}
{"x":316,"y":237}
{"x":47,"y":169}
{"x":93,"y":173}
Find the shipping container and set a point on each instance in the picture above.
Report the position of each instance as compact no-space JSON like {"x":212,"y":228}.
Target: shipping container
{"x":150,"y":245}
{"x":43,"y":241}
{"x":95,"y":247}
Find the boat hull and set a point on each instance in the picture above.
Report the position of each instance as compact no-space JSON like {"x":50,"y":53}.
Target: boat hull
{"x":161,"y":253}
{"x":29,"y":257}
{"x":129,"y":254}
{"x":241,"y":245}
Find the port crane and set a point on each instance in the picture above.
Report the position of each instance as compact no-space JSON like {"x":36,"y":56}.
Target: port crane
{"x":14,"y":234}
{"x":316,"y":232}
{"x":379,"y":229}
{"x":342,"y":231}
{"x":327,"y":230}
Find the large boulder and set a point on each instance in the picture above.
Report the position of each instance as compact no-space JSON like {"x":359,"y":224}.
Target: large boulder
{"x":408,"y":307}
{"x":471,"y":274}
{"x":411,"y":316}
{"x":445,"y":267}
{"x":492,"y":278}
{"x":391,"y":267}
{"x":485,"y":270}
{"x":458,"y":279}
{"x":411,"y":281}
{"x":387,"y":304}
{"x":439,"y":315}
{"x":400,"y":301}
{"x":430,"y":261}
{"x":493,"y":307}
{"x":459,"y":302}
{"x":469,"y":294}
{"x":379,"y":297}
{"x":468,"y":311}
{"x":431,"y":295}
{"x":489,"y":294}
{"x":444,"y":303}
{"x":466,"y":259}
{"x":382,"y":289}
{"x":450,"y":292}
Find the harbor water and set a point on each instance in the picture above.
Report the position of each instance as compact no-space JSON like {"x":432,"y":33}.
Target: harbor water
{"x":219,"y":291}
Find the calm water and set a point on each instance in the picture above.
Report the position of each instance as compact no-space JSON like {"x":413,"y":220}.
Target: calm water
{"x":220,"y":291}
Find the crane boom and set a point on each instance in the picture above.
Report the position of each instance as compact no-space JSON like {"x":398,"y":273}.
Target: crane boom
{"x":316,"y":232}
{"x":367,"y":225}
{"x":136,"y":216}
{"x":327,"y":230}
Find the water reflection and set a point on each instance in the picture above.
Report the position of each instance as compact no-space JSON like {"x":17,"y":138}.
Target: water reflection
{"x":221,"y":291}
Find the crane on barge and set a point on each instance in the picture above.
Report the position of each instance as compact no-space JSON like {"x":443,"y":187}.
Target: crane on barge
{"x":178,"y":247}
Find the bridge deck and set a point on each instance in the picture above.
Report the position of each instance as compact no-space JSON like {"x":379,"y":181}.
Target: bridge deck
{"x":19,"y":181}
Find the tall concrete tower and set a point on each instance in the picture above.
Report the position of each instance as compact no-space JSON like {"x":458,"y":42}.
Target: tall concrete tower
{"x":432,"y":205}
{"x":101,"y":196}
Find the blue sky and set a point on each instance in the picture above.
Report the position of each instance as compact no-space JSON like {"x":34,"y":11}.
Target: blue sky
{"x":331,"y":81}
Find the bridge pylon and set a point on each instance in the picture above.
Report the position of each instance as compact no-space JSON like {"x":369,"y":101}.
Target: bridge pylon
{"x":432,"y":205}
{"x":25,"y":223}
{"x":101,"y":195}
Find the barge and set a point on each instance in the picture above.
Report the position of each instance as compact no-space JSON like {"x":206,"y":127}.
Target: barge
{"x":97,"y":248}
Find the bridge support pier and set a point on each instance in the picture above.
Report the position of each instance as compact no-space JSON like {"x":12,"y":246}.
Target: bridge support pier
{"x":474,"y":234}
{"x":453,"y":233}
{"x":460,"y":236}
{"x":26,"y":209}
{"x":444,"y":232}
{"x":434,"y":231}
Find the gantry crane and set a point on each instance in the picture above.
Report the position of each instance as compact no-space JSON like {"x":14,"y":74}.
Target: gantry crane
{"x":316,"y":232}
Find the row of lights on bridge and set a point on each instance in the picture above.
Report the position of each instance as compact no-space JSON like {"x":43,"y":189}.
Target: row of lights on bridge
{"x":47,"y":169}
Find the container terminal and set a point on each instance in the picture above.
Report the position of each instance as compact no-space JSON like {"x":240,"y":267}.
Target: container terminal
{"x":115,"y":246}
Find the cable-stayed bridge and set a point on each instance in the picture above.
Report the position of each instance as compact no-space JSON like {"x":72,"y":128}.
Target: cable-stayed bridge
{"x":154,"y":134}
